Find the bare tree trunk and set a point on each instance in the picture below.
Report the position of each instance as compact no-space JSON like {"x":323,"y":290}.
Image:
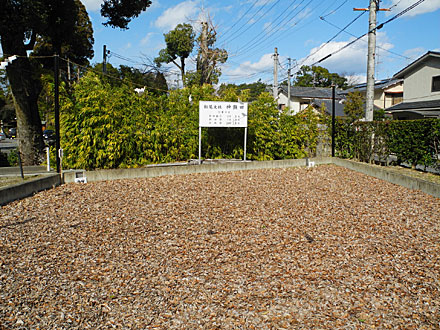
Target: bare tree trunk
{"x":25,"y":90}
{"x":182,"y":70}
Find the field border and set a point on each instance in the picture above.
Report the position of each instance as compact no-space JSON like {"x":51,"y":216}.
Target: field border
{"x":28,"y":188}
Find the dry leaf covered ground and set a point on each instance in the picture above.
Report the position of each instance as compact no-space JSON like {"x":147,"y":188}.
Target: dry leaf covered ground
{"x":320,"y":248}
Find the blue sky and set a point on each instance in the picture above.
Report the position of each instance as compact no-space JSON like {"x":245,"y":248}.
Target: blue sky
{"x":250,"y":30}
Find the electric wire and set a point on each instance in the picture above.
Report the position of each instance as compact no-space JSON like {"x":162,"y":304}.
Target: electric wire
{"x":351,"y":34}
{"x":268,"y":33}
{"x":335,"y":10}
{"x":250,"y":19}
{"x":332,"y":38}
{"x":86,"y":68}
{"x":372,"y":30}
{"x":238,"y":20}
{"x":285,"y":12}
{"x":273,"y":40}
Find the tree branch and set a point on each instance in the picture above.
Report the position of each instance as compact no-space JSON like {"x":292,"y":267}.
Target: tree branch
{"x":180,"y":68}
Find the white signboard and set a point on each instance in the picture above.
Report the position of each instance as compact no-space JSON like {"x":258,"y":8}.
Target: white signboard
{"x":222,"y":114}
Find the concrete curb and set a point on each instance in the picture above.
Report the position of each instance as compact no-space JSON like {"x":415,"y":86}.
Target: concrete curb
{"x":18,"y":191}
{"x":154,"y":171}
{"x":427,"y":187}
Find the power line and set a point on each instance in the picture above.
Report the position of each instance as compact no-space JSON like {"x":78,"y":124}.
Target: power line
{"x":376,"y":28}
{"x":239,"y":29}
{"x":254,"y":41}
{"x":111,"y":76}
{"x":231,"y":27}
{"x":332,"y":38}
{"x":273,"y":40}
{"x":335,"y":10}
{"x":351,"y":34}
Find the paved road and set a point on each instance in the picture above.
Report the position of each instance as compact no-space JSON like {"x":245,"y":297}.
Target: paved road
{"x":8,"y":144}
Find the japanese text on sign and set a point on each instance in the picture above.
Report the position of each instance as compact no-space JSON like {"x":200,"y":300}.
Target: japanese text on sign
{"x":222,"y":114}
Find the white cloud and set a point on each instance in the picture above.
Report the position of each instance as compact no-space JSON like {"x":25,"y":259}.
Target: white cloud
{"x":180,"y":13}
{"x":92,"y":5}
{"x":146,"y":40}
{"x":414,"y":52}
{"x":424,"y":7}
{"x":352,"y":59}
{"x":248,"y":68}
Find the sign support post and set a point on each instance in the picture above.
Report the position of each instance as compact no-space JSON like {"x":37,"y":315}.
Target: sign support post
{"x":200,"y":145}
{"x":245,"y":141}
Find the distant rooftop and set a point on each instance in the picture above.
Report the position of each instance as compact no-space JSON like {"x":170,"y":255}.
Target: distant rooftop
{"x":311,"y":92}
{"x":380,"y":84}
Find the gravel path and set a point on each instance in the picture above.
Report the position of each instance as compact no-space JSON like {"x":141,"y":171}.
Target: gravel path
{"x":320,"y":248}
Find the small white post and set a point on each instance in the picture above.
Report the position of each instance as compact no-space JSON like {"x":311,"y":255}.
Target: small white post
{"x":48,"y":158}
{"x":61,"y":154}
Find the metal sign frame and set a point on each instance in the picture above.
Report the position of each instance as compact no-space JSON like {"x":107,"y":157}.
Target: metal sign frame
{"x":222,"y":114}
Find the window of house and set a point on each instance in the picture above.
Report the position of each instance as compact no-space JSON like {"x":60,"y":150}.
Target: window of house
{"x":435,"y":84}
{"x":303,"y":105}
{"x":396,"y":98}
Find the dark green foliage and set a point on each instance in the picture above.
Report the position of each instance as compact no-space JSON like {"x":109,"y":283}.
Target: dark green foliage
{"x":317,"y":76}
{"x":354,"y":106}
{"x":414,"y":142}
{"x":120,"y":12}
{"x":179,"y":45}
{"x":255,"y":89}
{"x":3,"y":160}
{"x":47,"y":27}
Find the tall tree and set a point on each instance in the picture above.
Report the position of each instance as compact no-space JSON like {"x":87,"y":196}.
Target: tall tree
{"x":354,"y":106}
{"x":64,"y":24}
{"x":209,"y":57}
{"x":179,"y":45}
{"x":317,"y":76}
{"x":255,"y":89}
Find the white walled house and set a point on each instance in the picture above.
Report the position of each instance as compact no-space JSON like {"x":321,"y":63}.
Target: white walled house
{"x":421,"y":89}
{"x":302,"y":97}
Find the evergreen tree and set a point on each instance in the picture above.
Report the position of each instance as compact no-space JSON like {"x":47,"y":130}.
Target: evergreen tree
{"x":63,"y":24}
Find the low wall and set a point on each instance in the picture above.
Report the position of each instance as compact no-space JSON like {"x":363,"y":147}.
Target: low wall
{"x":383,"y":173}
{"x":153,"y":171}
{"x":28,"y":188}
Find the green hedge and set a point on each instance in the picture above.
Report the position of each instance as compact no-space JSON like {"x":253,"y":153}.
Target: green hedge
{"x":416,"y":142}
{"x":107,"y":126}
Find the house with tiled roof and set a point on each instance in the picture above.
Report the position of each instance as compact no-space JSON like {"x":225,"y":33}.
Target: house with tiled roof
{"x":421,"y":89}
{"x":387,"y":92}
{"x":302,"y":97}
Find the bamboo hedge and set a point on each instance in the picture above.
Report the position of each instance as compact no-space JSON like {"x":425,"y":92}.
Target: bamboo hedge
{"x":111,"y":126}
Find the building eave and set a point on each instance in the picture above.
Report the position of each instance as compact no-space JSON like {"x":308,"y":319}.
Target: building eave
{"x":401,"y":74}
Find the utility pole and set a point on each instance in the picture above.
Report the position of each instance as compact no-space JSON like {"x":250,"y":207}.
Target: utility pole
{"x":57,"y":111}
{"x":369,"y":102}
{"x":288,"y":84}
{"x":104,"y":59}
{"x":275,"y":74}
{"x":69,"y":76}
{"x":333,"y":119}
